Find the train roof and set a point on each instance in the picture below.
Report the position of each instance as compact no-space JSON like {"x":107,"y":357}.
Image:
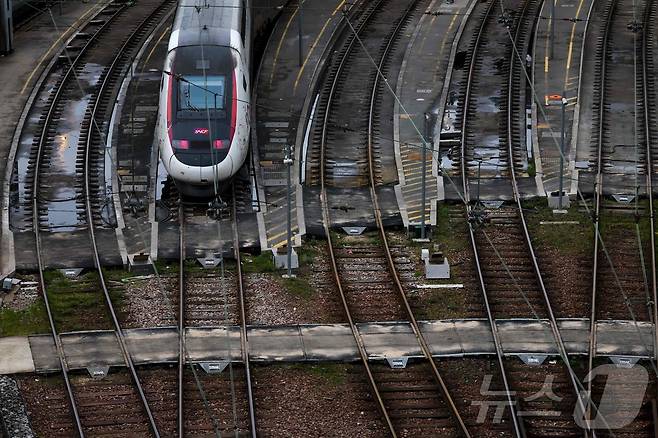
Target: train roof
{"x":206,"y":22}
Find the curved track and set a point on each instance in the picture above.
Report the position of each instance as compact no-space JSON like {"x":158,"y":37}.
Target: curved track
{"x":415,"y":400}
{"x":492,"y":140}
{"x":624,"y":279}
{"x":97,"y":103}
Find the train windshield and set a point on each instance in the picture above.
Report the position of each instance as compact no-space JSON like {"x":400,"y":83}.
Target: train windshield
{"x":196,"y":92}
{"x":203,"y":98}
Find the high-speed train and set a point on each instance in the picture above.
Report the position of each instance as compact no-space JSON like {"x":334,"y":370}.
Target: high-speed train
{"x":203,"y":120}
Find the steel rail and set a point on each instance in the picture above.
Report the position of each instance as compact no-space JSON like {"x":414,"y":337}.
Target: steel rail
{"x":469,"y":209}
{"x":180,"y":423}
{"x":515,"y":62}
{"x":380,"y":226}
{"x":649,"y":169}
{"x":89,"y":211}
{"x":598,"y":193}
{"x":599,"y":179}
{"x":327,"y":229}
{"x":649,"y":176}
{"x":35,"y":219}
{"x":243,"y":319}
{"x":244,"y":341}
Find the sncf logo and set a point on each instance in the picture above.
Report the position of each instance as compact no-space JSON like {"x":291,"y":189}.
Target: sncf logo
{"x":201,"y":131}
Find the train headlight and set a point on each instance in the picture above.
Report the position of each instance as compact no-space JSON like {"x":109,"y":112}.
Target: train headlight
{"x":180,"y":144}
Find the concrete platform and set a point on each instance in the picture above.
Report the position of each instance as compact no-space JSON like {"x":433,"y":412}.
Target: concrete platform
{"x":556,"y":75}
{"x":16,"y":355}
{"x":282,"y":107}
{"x":330,"y":342}
{"x":420,"y":87}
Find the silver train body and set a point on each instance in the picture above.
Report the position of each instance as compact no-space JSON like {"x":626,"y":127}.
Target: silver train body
{"x":203,"y":119}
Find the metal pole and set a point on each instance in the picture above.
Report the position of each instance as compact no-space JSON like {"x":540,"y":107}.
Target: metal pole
{"x":552,"y":36}
{"x":564,"y":106}
{"x":299,"y":30}
{"x":423,"y":176}
{"x":288,"y":162}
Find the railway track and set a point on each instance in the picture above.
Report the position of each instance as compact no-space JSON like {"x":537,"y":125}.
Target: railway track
{"x":493,"y":152}
{"x":624,"y":259}
{"x":98,"y":61}
{"x":220,"y":404}
{"x":414,"y":401}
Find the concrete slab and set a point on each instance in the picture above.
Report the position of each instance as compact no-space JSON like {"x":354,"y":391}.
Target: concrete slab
{"x":16,"y":355}
{"x":329,"y":342}
{"x":526,"y":337}
{"x":443,"y":334}
{"x":276,"y":344}
{"x":91,"y":348}
{"x":474,"y":336}
{"x":389,"y":340}
{"x":157,"y":345}
{"x":624,"y":338}
{"x":575,"y":335}
{"x":44,"y":354}
{"x":212,"y":343}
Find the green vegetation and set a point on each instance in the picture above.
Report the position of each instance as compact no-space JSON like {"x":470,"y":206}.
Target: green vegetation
{"x":260,"y":263}
{"x":572,"y":238}
{"x":76,"y":304}
{"x":611,"y":221}
{"x":298,"y":286}
{"x":532,"y":170}
{"x":25,"y":322}
{"x":449,"y":235}
{"x":444,"y":304}
{"x":334,"y":374}
{"x":164,"y":267}
{"x":308,"y":252}
{"x":79,"y":304}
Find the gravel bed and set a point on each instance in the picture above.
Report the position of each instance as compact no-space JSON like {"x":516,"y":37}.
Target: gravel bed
{"x":46,"y":404}
{"x":270,"y":302}
{"x":145,"y":304}
{"x":21,"y":296}
{"x":448,"y":303}
{"x":305,"y":401}
{"x":13,"y":413}
{"x":568,"y":280}
{"x":464,"y":378}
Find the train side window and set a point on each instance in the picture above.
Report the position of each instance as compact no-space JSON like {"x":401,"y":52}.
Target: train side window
{"x":243,"y":23}
{"x":244,"y":82}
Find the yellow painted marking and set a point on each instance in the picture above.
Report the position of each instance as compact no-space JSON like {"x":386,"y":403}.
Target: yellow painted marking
{"x":443,"y":44}
{"x":314,"y":45}
{"x":281,"y":234}
{"x":155,"y":46}
{"x":278,"y":47}
{"x":424,"y":40}
{"x":573,"y":33}
{"x":53,"y":46}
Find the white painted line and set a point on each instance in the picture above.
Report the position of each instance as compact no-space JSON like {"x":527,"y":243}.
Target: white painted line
{"x":440,"y":286}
